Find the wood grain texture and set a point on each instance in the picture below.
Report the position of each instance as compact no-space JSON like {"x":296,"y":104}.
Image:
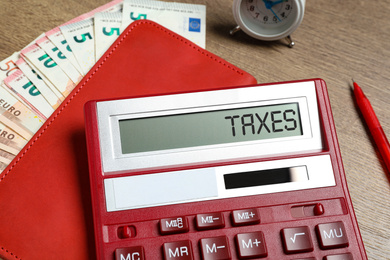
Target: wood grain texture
{"x":337,"y":41}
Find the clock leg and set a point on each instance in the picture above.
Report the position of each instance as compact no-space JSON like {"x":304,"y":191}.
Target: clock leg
{"x":291,"y":43}
{"x":235,"y":29}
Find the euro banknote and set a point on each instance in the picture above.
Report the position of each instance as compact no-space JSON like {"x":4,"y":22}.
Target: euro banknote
{"x":49,"y":92}
{"x":6,"y":157}
{"x":26,"y":90}
{"x":59,"y":58}
{"x":57,"y":38}
{"x":80,"y":37}
{"x":10,"y":141}
{"x":107,"y":30}
{"x":188,"y":20}
{"x":16,"y":115}
{"x":8,"y":65}
{"x":45,"y":65}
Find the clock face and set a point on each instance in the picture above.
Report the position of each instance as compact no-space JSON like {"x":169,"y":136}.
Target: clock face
{"x":269,"y":12}
{"x":268,"y":20}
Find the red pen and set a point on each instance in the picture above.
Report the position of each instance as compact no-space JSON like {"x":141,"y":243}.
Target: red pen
{"x":373,"y":124}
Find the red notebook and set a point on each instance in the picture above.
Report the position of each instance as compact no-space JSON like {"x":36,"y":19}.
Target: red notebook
{"x":45,"y":204}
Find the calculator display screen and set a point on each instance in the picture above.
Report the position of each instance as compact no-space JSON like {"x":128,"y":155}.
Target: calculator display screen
{"x":210,"y":128}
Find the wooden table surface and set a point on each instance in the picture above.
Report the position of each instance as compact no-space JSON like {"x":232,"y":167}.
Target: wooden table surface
{"x":337,"y":41}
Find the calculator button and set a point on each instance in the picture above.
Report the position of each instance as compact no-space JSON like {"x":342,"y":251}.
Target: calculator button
{"x":135,"y":252}
{"x":245,"y":217}
{"x":174,"y":225}
{"x":215,"y":248}
{"x":180,"y":250}
{"x":332,"y":235}
{"x":251,"y":245}
{"x":347,"y":256}
{"x":210,"y":221}
{"x":319,"y":209}
{"x":297,"y":240}
{"x":126,"y":232}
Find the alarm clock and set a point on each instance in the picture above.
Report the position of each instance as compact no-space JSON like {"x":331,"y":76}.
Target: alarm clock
{"x":234,"y":173}
{"x":268,"y":20}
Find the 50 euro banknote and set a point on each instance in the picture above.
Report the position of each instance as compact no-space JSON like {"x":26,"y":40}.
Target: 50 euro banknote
{"x":17,"y":116}
{"x":10,"y":141}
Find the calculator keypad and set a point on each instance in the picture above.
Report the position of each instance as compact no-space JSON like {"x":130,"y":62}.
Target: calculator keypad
{"x":248,"y":244}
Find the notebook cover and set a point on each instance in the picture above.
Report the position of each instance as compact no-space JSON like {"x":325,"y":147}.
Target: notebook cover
{"x":45,"y":204}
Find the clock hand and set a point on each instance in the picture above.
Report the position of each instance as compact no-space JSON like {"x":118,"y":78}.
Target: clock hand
{"x":277,"y":2}
{"x":275,"y":14}
{"x":269,"y":4}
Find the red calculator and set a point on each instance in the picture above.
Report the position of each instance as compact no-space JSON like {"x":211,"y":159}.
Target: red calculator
{"x":251,"y":172}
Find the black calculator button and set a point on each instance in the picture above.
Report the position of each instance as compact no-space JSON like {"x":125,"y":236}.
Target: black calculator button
{"x":133,"y":253}
{"x":210,"y":221}
{"x":347,"y":256}
{"x":215,"y":248}
{"x":251,"y":245}
{"x":297,"y":240}
{"x":332,"y":235}
{"x":174,"y":225}
{"x":180,"y":250}
{"x":245,"y":217}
